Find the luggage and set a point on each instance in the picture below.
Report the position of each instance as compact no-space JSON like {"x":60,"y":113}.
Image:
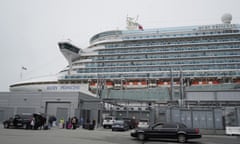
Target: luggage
{"x":69,"y":126}
{"x":45,"y":127}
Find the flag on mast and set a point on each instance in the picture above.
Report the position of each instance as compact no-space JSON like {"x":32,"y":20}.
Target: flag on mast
{"x":132,"y":24}
{"x":140,"y":27}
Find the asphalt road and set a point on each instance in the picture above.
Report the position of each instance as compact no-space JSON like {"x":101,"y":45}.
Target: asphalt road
{"x":99,"y":136}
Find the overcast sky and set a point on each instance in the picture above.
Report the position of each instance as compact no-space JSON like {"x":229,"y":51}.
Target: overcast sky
{"x":31,"y":29}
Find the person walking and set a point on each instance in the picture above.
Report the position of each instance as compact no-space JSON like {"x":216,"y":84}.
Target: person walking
{"x":69,"y":123}
{"x":32,"y":123}
{"x":93,"y":124}
{"x":74,"y":122}
{"x":61,"y":123}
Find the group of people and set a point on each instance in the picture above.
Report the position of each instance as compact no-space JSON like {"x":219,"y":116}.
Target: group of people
{"x":74,"y":123}
{"x":38,"y":121}
{"x":52,"y":121}
{"x":71,"y":123}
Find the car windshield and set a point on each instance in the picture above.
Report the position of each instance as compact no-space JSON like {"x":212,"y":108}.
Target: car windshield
{"x":108,"y":118}
{"x":118,"y":122}
{"x":143,"y":120}
{"x":26,"y":116}
{"x":126,"y":119}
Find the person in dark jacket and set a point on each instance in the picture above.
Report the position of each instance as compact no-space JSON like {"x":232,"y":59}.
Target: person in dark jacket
{"x":93,"y":124}
{"x":74,"y":122}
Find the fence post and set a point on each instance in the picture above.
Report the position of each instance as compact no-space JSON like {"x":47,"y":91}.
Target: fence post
{"x":237,"y":116}
{"x":214,"y":124}
{"x":170,"y":113}
{"x":191,"y":111}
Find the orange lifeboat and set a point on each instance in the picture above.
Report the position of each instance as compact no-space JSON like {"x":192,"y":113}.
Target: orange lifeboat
{"x":109,"y":84}
{"x":237,"y":81}
{"x":135,"y":84}
{"x":215,"y":82}
{"x":163,"y":83}
{"x":195,"y":82}
{"x":160,"y":83}
{"x":93,"y":85}
{"x":204,"y":82}
{"x":143,"y":84}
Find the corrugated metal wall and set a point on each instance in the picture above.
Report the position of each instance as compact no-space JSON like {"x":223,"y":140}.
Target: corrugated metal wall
{"x":205,"y":118}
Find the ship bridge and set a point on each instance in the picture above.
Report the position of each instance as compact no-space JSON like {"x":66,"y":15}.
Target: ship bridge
{"x":69,"y":51}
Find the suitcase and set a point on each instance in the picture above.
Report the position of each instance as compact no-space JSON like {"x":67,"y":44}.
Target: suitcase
{"x":45,"y":127}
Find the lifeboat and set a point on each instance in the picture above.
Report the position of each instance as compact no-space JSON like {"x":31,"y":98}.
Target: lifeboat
{"x":109,"y":84}
{"x":195,"y":82}
{"x":215,"y":82}
{"x":93,"y":85}
{"x":135,"y":84}
{"x":152,"y":84}
{"x":176,"y":83}
{"x":205,"y":82}
{"x":163,"y":83}
{"x":237,"y":81}
{"x":160,"y":83}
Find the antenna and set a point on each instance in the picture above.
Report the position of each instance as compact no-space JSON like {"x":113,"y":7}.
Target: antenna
{"x":137,"y":18}
{"x":132,"y":23}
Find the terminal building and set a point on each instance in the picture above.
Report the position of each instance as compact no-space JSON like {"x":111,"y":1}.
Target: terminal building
{"x":153,"y":73}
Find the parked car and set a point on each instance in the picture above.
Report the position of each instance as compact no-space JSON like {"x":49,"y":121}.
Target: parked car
{"x":19,"y":121}
{"x":108,"y":121}
{"x":132,"y":123}
{"x":24,"y":121}
{"x":120,"y":125}
{"x":143,"y":123}
{"x":167,"y":130}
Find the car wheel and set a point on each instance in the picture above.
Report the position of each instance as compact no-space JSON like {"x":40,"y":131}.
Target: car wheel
{"x":141,"y":136}
{"x":6,"y":125}
{"x":182,"y":138}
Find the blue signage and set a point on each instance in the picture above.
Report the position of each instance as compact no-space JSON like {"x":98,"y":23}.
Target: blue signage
{"x":63,"y":87}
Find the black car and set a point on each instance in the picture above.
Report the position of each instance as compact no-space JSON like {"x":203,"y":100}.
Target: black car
{"x":132,"y":123}
{"x":168,"y":131}
{"x":120,"y":125}
{"x":19,"y":121}
{"x":24,"y":121}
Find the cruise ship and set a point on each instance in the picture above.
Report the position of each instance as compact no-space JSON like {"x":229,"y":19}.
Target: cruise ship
{"x":160,"y":61}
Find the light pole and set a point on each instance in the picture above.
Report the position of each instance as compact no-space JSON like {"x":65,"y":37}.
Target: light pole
{"x":21,"y":73}
{"x":172,"y":92}
{"x":181,"y":88}
{"x":101,"y":104}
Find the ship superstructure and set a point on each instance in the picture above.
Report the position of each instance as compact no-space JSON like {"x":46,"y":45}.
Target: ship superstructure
{"x":140,"y":58}
{"x":208,"y":54}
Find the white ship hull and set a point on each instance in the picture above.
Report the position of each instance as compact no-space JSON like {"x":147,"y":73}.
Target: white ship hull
{"x":53,"y":88}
